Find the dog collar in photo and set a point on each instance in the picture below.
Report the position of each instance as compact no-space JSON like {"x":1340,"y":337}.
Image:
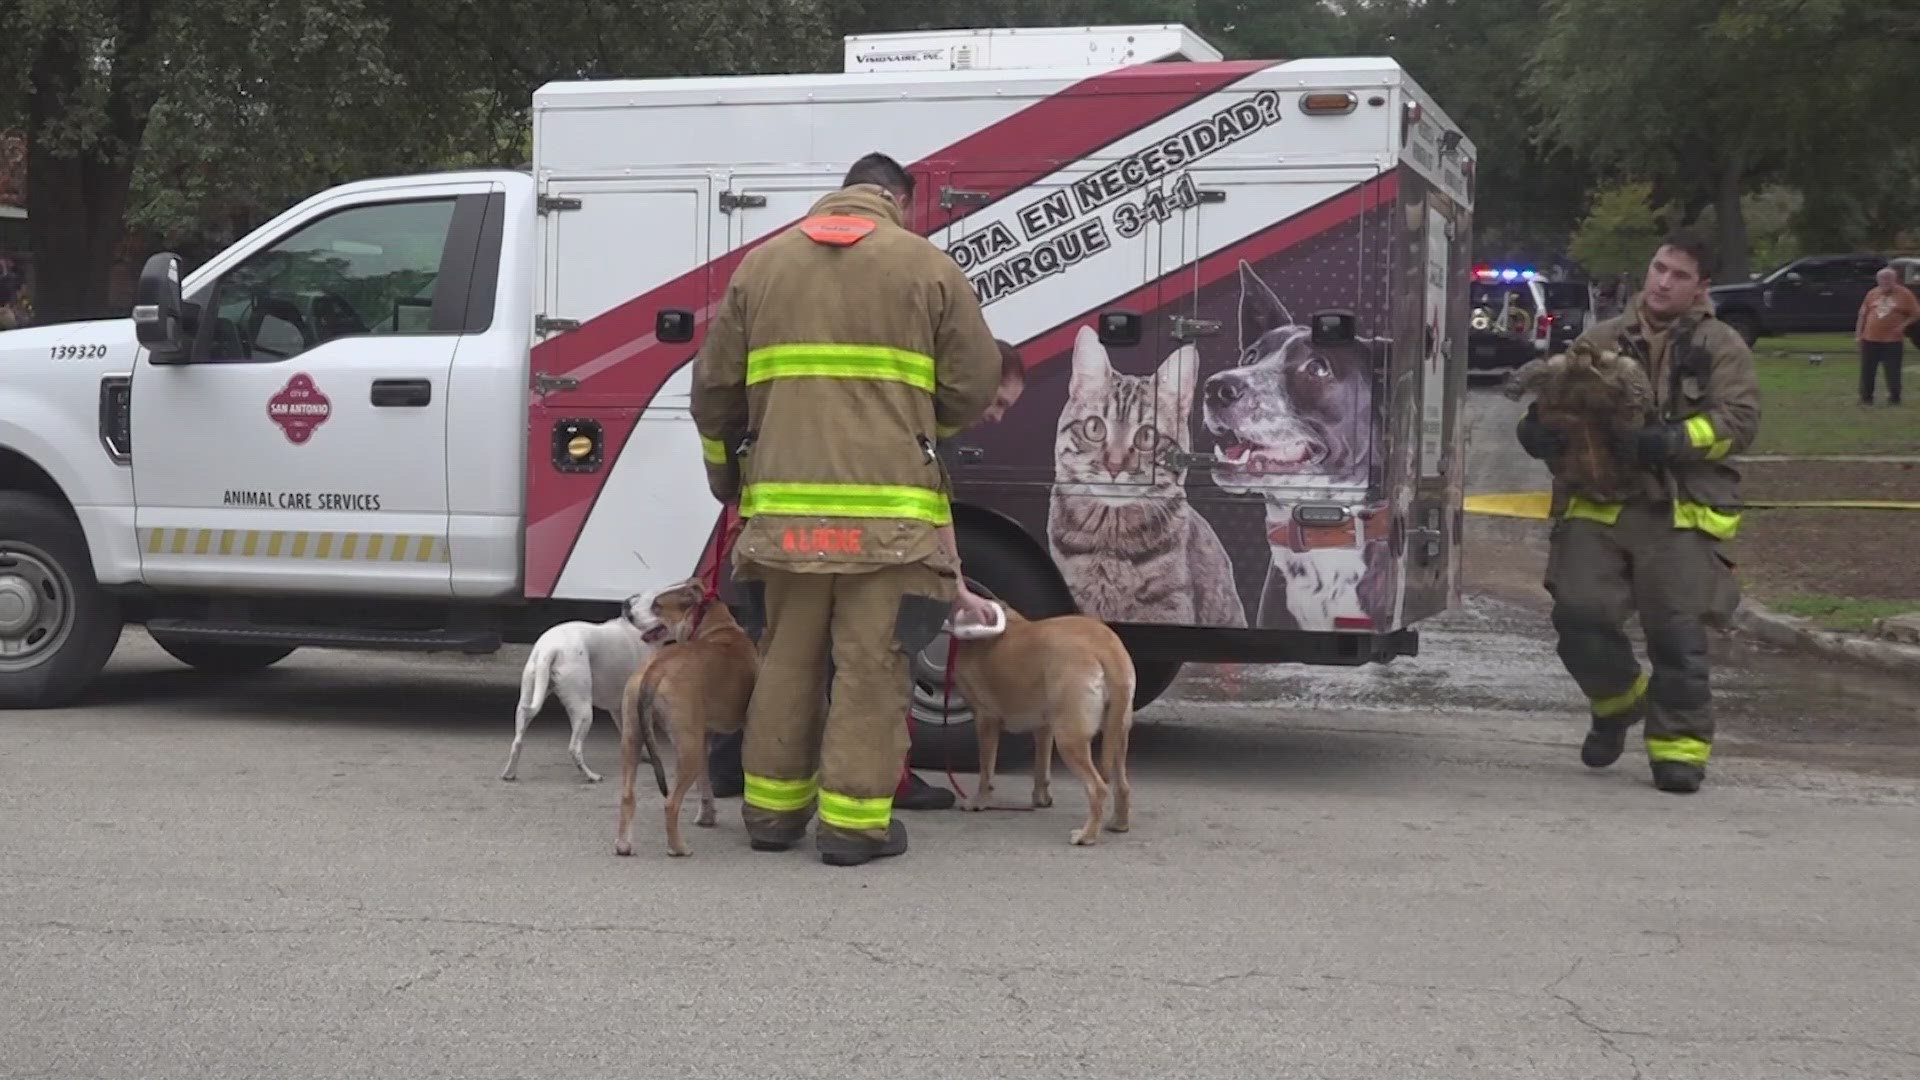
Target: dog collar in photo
{"x":973,"y":631}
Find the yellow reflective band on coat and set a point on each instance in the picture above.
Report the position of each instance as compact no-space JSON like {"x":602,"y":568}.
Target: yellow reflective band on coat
{"x":874,"y":362}
{"x":1587,"y":510}
{"x":780,"y":796}
{"x":1687,"y":515}
{"x":1608,"y":707}
{"x":713,"y":450}
{"x":1701,"y":434}
{"x":947,"y":431}
{"x":1682,"y":748}
{"x":847,"y":812}
{"x":846,"y":501}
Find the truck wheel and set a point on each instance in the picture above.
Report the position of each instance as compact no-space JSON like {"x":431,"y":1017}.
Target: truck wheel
{"x":225,"y":659}
{"x":944,"y":737}
{"x":57,"y":626}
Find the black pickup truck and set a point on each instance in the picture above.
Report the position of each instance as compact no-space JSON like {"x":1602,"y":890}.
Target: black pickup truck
{"x":1814,"y":294}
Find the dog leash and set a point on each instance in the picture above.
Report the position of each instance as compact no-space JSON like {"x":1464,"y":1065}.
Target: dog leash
{"x":946,"y":705}
{"x":721,"y":548}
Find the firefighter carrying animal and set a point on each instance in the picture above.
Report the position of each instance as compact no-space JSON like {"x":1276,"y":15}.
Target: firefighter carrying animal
{"x":1656,"y":549}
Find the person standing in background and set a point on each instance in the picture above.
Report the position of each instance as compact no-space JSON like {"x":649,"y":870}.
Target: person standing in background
{"x":1881,"y":329}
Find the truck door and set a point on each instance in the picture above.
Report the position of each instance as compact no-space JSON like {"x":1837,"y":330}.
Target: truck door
{"x":304,"y":448}
{"x":617,"y":252}
{"x":1286,"y":414}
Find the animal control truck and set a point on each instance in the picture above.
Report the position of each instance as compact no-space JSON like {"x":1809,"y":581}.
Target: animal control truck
{"x":444,"y":412}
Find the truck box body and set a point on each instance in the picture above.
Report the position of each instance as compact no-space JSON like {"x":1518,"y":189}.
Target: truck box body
{"x":1177,"y":191}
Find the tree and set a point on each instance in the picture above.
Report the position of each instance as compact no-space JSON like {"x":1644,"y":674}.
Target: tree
{"x":227,"y":110}
{"x":1709,"y":100}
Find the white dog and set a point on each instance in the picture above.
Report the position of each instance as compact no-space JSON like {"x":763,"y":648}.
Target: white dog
{"x":588,"y":666}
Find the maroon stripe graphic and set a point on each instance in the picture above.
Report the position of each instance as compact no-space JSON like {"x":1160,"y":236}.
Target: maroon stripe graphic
{"x":617,"y":359}
{"x":1160,"y":294}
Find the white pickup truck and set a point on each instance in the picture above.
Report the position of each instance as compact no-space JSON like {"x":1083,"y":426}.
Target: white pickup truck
{"x":444,"y":412}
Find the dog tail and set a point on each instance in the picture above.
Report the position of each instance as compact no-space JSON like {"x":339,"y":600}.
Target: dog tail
{"x":646,"y":713}
{"x":534,"y":682}
{"x":1117,"y":717}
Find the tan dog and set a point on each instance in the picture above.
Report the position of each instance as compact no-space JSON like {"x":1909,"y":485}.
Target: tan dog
{"x":1065,"y":680}
{"x":695,"y":687}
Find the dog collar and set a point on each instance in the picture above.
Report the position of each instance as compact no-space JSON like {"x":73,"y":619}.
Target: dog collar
{"x":1354,"y":532}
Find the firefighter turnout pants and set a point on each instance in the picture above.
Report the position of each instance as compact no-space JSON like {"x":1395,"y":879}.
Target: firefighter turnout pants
{"x":1678,"y":583}
{"x":842,"y":755}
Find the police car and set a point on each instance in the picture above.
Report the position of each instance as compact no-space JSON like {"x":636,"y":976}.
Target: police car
{"x":1517,"y":314}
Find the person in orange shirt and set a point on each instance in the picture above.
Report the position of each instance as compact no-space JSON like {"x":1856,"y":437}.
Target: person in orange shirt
{"x":1884,"y":317}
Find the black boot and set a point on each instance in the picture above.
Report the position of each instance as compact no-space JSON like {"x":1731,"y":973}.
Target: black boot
{"x":1678,"y":777}
{"x":724,"y":770}
{"x":842,"y":849}
{"x":923,"y":796}
{"x":1607,"y":740}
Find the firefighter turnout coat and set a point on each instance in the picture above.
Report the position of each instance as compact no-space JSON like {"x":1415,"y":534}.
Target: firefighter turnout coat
{"x":843,"y":349}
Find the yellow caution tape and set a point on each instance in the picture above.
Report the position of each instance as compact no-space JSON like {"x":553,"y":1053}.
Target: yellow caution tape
{"x":286,"y":544}
{"x":1534,"y":504}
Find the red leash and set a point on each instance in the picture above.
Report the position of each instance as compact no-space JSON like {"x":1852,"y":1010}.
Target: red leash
{"x":722,"y":546}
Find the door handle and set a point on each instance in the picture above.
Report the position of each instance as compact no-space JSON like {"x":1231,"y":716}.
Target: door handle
{"x":971,"y":455}
{"x":402,"y":393}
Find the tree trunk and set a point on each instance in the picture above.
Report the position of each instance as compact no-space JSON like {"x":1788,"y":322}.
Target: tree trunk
{"x":1733,"y":222}
{"x":76,"y":214}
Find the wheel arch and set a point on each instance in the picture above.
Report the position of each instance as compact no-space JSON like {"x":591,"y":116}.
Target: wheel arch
{"x":969,"y":517}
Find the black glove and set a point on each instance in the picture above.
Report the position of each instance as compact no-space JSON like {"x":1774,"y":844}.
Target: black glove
{"x":1537,"y":439}
{"x":1655,"y":445}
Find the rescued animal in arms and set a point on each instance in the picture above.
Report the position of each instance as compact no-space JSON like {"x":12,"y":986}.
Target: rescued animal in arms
{"x":1590,"y":397}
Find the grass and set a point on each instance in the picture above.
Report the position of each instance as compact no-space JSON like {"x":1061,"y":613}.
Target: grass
{"x":1842,"y":614}
{"x":1809,"y":408}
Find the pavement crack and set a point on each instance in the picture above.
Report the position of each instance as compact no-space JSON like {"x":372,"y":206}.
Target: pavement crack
{"x":441,"y":969}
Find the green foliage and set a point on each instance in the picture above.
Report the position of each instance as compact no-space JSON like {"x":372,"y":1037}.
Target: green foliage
{"x":1622,"y":228}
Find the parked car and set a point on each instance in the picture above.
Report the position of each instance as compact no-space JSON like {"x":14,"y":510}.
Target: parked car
{"x":1816,"y":293}
{"x":1517,"y":315}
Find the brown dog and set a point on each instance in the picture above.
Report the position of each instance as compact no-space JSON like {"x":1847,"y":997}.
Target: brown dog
{"x":1590,"y":396}
{"x":1065,"y":680}
{"x":695,"y":687}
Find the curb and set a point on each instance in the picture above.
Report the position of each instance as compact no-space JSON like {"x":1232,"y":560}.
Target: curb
{"x":1788,"y":631}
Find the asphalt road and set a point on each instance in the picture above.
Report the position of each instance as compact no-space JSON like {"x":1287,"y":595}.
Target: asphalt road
{"x":1400,"y":871}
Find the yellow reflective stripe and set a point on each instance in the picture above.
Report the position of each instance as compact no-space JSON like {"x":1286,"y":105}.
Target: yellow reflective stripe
{"x":846,"y":500}
{"x":713,"y":450}
{"x":1701,"y":434}
{"x":1608,"y":707}
{"x":1681,"y":748}
{"x":1688,"y":515}
{"x":947,"y":431}
{"x":780,"y":796}
{"x":876,"y":362}
{"x":1587,"y":510}
{"x":847,"y":812}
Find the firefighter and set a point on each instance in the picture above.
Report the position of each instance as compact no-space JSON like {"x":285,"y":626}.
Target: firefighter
{"x":845,"y":347}
{"x":1658,"y":554}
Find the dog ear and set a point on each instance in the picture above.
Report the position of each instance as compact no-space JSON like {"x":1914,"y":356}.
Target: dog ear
{"x":1260,"y":310}
{"x":1090,"y":365}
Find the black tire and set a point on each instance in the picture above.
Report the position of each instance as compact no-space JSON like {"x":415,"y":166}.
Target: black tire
{"x":1743,"y":322}
{"x":1009,"y":572}
{"x":225,"y":659}
{"x":57,"y":626}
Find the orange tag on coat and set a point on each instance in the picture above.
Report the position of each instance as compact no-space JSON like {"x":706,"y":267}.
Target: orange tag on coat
{"x":837,"y":230}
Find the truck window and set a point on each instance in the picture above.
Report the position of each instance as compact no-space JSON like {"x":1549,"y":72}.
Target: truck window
{"x":365,"y":270}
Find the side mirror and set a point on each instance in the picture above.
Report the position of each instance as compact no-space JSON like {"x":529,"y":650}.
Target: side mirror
{"x":1791,"y":277}
{"x":1119,"y":329}
{"x":673,"y":326}
{"x":161,"y":319}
